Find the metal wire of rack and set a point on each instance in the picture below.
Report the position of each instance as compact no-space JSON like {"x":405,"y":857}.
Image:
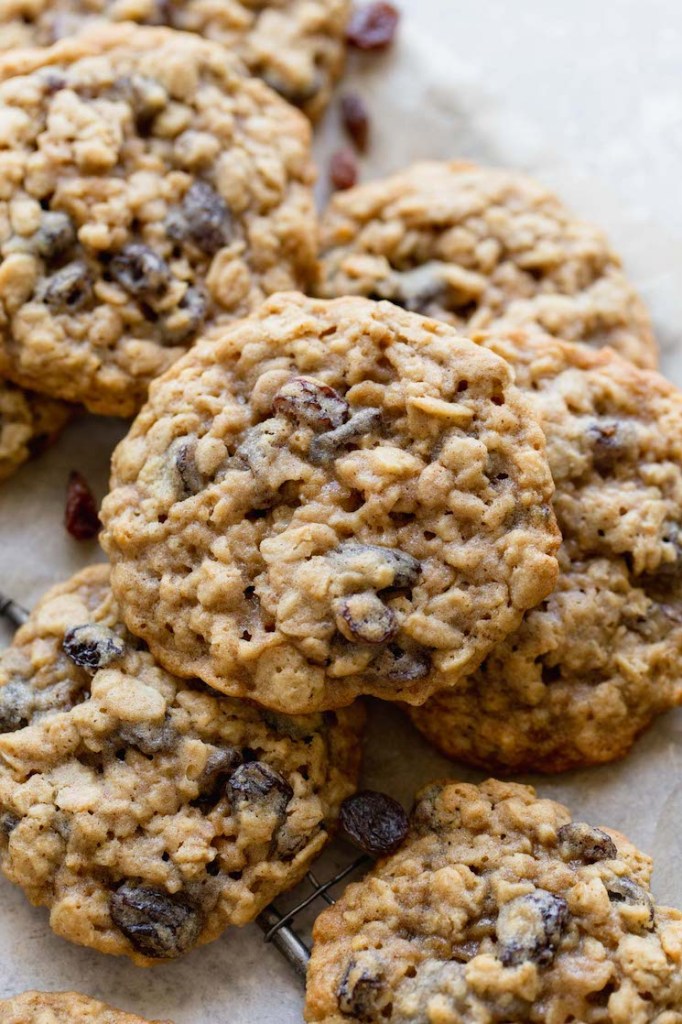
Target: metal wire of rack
{"x":278,"y":928}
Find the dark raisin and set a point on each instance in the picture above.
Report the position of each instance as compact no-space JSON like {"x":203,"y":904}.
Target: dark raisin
{"x":148,"y":738}
{"x":530,"y":928}
{"x":579,"y":841}
{"x":362,"y":993}
{"x":365,"y":617}
{"x":326,"y":446}
{"x":16,"y":705}
{"x":92,"y":647}
{"x":55,"y":236}
{"x":398,"y":665}
{"x":157,"y":924}
{"x":406,"y":569}
{"x":69,"y":290}
{"x":204,"y":219}
{"x":185,"y":321}
{"x":220,"y":764}
{"x":624,"y":890}
{"x":187,"y":479}
{"x":311,"y":403}
{"x":343,"y":169}
{"x":139,"y":270}
{"x":374,"y":821}
{"x":256,"y":783}
{"x":8,"y":822}
{"x":373,"y":26}
{"x":80,"y":515}
{"x":355,"y":119}
{"x":610,"y":441}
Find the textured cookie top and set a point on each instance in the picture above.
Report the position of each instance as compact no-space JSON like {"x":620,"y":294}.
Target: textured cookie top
{"x":148,"y":189}
{"x":332,"y":498}
{"x":480,"y":248}
{"x":498,"y":907}
{"x":146,"y":812}
{"x":297,"y":46}
{"x":62,"y":1008}
{"x":28,"y":423}
{"x":593,"y":664}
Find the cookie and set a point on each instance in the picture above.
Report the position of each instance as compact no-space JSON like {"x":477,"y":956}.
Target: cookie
{"x":482,"y":248}
{"x":150,"y":191}
{"x":499,"y":907}
{"x":28,"y":424}
{"x":333,"y":498}
{"x":62,"y":1008}
{"x":592,"y":666}
{"x":296,"y":46}
{"x":150,"y":813}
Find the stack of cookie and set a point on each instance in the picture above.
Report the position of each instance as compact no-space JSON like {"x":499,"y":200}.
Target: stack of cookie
{"x":447,"y":477}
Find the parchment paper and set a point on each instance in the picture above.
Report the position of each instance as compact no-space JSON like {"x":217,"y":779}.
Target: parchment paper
{"x":587,"y":97}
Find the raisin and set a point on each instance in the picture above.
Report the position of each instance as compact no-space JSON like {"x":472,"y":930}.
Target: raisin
{"x":579,"y":841}
{"x":204,"y":219}
{"x":373,"y":26}
{"x":374,"y":821}
{"x":139,"y":270}
{"x":256,"y":783}
{"x":326,"y":446}
{"x":311,"y":403}
{"x":157,"y":924}
{"x":148,"y":738}
{"x":80,"y":515}
{"x":220,"y":764}
{"x":69,"y":290}
{"x":398,"y":665}
{"x":406,"y":568}
{"x":362,"y":993}
{"x":365,"y":617}
{"x":343,"y":169}
{"x":92,"y":647}
{"x":16,"y":705}
{"x":624,"y":890}
{"x":610,"y":441}
{"x":55,"y":236}
{"x":355,"y":119}
{"x":530,"y":928}
{"x":8,"y":822}
{"x":185,"y":321}
{"x":187,"y":479}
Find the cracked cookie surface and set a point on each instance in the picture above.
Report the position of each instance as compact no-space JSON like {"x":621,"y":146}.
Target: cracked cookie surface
{"x":150,"y":190}
{"x":63,"y":1008}
{"x":332,"y":498}
{"x":296,"y":46}
{"x":28,"y":424}
{"x":499,"y":907}
{"x":482,"y":248}
{"x":599,"y":659}
{"x":150,"y":813}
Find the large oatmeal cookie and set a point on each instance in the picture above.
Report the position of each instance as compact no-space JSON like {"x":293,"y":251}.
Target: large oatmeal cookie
{"x":150,"y":813}
{"x":591,"y":666}
{"x":332,"y":498}
{"x":296,"y":46}
{"x":499,"y":907}
{"x":482,"y":248}
{"x":149,"y":189}
{"x":28,"y":424}
{"x":62,"y":1008}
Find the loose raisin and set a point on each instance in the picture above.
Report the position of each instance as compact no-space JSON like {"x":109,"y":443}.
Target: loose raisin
{"x":579,"y":841}
{"x":92,"y":647}
{"x":343,"y":169}
{"x":157,"y":924}
{"x":374,"y":821}
{"x":311,"y":403}
{"x":80,"y":515}
{"x":530,"y":927}
{"x":373,"y":26}
{"x":355,"y":119}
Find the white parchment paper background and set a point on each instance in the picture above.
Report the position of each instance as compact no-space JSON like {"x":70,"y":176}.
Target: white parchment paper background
{"x":586,"y":96}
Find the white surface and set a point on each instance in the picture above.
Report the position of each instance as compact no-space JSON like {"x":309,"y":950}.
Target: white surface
{"x":586,"y":96}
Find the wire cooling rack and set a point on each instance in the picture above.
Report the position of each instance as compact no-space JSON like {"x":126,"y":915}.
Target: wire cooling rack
{"x":279,"y":927}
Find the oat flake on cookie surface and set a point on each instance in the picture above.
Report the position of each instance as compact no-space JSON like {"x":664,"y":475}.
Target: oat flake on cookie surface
{"x":296,"y":46}
{"x":63,"y":1008}
{"x":499,"y":908}
{"x":28,"y":423}
{"x":591,"y":666}
{"x":332,"y":498}
{"x":150,"y":813}
{"x":149,"y":189}
{"x":482,"y":247}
